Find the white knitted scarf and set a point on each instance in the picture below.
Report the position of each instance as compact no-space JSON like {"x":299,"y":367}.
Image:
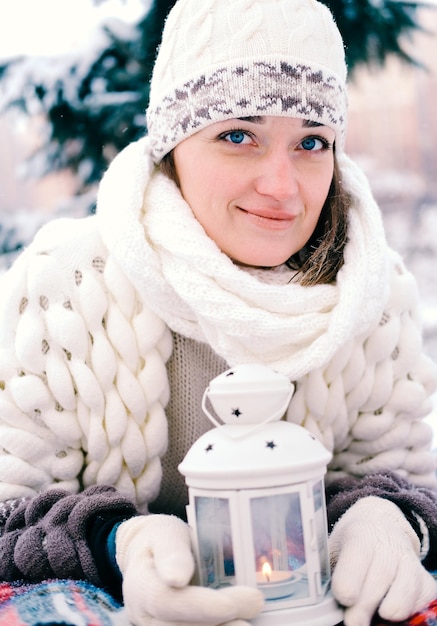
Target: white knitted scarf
{"x":199,"y":292}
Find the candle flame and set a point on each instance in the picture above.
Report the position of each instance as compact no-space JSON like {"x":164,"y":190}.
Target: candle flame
{"x":267,"y":571}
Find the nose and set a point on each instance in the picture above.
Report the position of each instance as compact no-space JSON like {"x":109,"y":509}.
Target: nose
{"x":276,"y":175}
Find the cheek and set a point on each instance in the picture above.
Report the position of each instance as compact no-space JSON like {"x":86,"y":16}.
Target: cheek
{"x":317,"y":193}
{"x":196,"y":177}
{"x":198,"y":190}
{"x":208,"y":188}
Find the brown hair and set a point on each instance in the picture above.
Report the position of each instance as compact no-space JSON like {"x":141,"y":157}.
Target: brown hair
{"x":322,"y":256}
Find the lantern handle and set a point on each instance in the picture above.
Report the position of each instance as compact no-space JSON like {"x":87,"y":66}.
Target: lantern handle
{"x":275,"y":416}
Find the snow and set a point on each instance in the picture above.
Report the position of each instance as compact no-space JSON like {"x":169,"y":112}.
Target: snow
{"x":46,"y":70}
{"x":54,"y":27}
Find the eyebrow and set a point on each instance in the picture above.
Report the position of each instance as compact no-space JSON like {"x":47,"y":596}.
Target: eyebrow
{"x":260,"y":119}
{"x":255,"y":119}
{"x":310,"y":124}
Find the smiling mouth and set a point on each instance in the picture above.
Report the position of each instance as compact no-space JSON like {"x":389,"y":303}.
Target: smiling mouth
{"x":276,"y":221}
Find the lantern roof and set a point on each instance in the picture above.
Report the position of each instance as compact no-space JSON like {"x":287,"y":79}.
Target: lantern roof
{"x":246,"y":456}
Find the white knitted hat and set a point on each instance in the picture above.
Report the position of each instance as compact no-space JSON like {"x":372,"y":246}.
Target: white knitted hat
{"x":222,"y":59}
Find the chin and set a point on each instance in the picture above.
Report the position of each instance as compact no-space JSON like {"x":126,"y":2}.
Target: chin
{"x":268,"y":264}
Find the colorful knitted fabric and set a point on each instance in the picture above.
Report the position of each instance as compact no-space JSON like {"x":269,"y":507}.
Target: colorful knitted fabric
{"x":428,"y":617}
{"x":73,"y":603}
{"x":59,"y":602}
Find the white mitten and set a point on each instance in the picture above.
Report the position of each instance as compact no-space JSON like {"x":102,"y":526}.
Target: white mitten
{"x":154,"y":555}
{"x":375,"y":557}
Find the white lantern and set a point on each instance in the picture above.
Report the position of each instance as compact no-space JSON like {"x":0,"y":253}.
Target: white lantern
{"x":256,"y":500}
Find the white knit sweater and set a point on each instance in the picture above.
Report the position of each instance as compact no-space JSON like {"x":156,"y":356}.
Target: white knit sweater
{"x":91,"y":310}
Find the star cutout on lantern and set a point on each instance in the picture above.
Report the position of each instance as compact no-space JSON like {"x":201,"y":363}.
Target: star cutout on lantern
{"x":270,"y":444}
{"x":209,"y":447}
{"x":236,"y":412}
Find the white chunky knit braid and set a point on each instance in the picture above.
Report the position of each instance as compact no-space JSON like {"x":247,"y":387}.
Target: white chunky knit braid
{"x":82,"y":371}
{"x":367,"y":405}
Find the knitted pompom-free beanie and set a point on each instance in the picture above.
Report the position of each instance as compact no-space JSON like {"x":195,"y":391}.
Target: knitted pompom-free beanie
{"x":224,"y":59}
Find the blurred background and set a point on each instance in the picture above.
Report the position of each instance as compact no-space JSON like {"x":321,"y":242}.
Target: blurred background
{"x":74,"y":86}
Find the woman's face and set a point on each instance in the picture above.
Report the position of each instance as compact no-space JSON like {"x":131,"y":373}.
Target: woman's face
{"x":257,"y":185}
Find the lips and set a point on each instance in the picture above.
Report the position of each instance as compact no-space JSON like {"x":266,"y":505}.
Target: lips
{"x":271,"y":214}
{"x":272,"y":218}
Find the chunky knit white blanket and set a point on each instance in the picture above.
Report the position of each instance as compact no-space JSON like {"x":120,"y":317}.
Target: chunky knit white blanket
{"x":85,"y":315}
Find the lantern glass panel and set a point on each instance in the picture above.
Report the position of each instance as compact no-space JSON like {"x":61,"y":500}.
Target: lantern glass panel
{"x":278,"y":538}
{"x":321,"y":531}
{"x":216,"y":552}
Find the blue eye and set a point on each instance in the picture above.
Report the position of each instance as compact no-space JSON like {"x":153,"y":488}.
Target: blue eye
{"x":236,"y":136}
{"x":314,"y":143}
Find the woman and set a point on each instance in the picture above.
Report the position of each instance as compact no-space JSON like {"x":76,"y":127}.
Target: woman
{"x":237,"y":231}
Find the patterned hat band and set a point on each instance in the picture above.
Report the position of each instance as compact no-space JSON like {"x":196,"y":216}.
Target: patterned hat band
{"x":274,"y":87}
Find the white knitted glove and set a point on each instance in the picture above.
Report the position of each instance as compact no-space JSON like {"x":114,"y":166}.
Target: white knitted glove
{"x":375,"y":555}
{"x":154,"y":555}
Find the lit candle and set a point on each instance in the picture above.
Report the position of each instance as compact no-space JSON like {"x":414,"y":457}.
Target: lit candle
{"x":275,"y":584}
{"x":267,"y":571}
